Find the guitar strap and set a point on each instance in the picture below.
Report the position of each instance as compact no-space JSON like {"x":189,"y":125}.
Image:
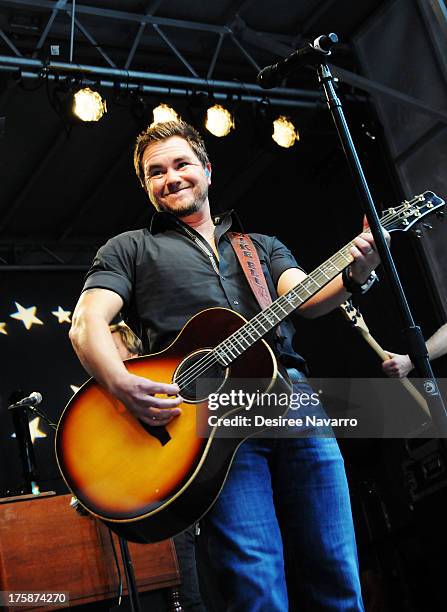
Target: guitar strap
{"x":248,"y":258}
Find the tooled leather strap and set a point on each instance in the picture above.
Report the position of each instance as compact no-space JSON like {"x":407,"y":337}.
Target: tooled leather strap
{"x":248,"y":258}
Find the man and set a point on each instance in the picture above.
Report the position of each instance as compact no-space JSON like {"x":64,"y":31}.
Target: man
{"x":400,"y":366}
{"x":292,"y":490}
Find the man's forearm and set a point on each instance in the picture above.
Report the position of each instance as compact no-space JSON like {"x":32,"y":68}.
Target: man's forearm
{"x":437,"y":344}
{"x":93,"y":343}
{"x":326,"y":299}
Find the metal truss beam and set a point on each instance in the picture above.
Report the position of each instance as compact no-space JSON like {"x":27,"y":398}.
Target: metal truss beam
{"x":59,"y":5}
{"x":174,"y":50}
{"x":135,"y":44}
{"x":376,"y":88}
{"x":91,"y":40}
{"x":434,"y":14}
{"x":260,"y":40}
{"x":183,"y":93}
{"x":24,"y":255}
{"x":215,"y":56}
{"x":149,"y":11}
{"x":245,"y":53}
{"x":132,"y":79}
{"x":123,"y":15}
{"x":10,"y":44}
{"x":238,"y":7}
{"x":356,"y":80}
{"x":140,"y":17}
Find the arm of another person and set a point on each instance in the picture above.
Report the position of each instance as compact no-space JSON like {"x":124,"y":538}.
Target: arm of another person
{"x":93,"y":343}
{"x":400,"y":365}
{"x":365,"y":259}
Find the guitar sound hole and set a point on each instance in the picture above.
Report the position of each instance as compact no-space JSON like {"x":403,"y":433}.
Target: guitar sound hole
{"x":198,"y":375}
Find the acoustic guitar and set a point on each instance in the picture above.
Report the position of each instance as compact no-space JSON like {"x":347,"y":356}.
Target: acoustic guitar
{"x":150,"y":483}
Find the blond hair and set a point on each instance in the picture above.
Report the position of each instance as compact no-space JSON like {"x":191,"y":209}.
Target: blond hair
{"x":130,"y":340}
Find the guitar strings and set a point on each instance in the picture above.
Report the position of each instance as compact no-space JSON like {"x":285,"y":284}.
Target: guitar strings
{"x":210,"y":360}
{"x":256,"y":325}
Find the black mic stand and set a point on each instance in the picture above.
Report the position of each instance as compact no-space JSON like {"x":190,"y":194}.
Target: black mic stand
{"x":26,"y":449}
{"x":412,"y":333}
{"x":130,"y":576}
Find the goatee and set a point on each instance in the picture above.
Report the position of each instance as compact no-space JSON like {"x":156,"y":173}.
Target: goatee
{"x":190,"y":208}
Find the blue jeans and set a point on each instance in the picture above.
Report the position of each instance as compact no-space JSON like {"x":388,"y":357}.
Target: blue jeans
{"x":285,"y":510}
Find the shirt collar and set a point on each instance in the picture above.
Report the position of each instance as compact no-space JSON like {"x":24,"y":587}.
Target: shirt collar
{"x":162,"y":220}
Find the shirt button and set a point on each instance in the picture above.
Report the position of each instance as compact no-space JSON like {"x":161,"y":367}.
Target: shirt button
{"x":235,"y":302}
{"x":222,"y":278}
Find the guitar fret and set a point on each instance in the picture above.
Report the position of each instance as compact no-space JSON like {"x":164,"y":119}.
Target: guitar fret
{"x":221,"y":356}
{"x":261,"y":324}
{"x":243,"y":338}
{"x":235,"y":336}
{"x":308,"y":290}
{"x":308,"y":281}
{"x":296,"y":296}
{"x":270,"y":317}
{"x":249,"y":333}
{"x":278,"y":316}
{"x":231,"y":347}
{"x":283,"y":309}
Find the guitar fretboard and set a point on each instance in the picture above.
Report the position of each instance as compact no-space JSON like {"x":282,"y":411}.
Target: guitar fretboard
{"x":242,"y":339}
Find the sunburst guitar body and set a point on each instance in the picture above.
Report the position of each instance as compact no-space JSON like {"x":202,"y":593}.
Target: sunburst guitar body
{"x":149,"y":483}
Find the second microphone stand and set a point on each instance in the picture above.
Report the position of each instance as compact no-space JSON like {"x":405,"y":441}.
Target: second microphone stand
{"x":412,"y":333}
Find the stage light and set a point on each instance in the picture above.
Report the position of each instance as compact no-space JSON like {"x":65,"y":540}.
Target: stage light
{"x":88,"y":105}
{"x":163,"y":113}
{"x":219,"y":121}
{"x":284,"y":132}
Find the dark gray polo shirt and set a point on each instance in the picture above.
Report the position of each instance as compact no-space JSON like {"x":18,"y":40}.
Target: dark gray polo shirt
{"x":164,"y":277}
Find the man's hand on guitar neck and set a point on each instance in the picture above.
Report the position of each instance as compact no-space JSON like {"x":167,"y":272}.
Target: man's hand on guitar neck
{"x":398,"y":366}
{"x":366,"y":257}
{"x":139,"y":395}
{"x":401,"y":365}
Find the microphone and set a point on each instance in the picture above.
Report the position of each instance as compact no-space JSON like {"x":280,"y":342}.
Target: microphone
{"x":33,"y":399}
{"x":307,"y":54}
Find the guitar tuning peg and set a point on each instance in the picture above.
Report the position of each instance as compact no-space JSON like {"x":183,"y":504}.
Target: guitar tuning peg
{"x":427,"y":226}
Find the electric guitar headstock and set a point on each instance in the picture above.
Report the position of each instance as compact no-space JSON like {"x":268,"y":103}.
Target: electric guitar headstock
{"x":409,"y":212}
{"x":354,"y":316}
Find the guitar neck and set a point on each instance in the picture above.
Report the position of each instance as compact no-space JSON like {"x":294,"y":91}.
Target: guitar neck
{"x":260,"y":325}
{"x":400,"y":218}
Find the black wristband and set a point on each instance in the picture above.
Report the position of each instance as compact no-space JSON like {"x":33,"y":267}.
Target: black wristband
{"x":356,"y":288}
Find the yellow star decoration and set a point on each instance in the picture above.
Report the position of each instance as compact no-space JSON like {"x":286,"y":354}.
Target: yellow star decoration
{"x":3,"y":329}
{"x":63,"y":316}
{"x":34,"y":429}
{"x":26,"y":315}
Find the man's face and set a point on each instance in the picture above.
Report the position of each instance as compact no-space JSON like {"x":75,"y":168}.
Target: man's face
{"x":175,"y":178}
